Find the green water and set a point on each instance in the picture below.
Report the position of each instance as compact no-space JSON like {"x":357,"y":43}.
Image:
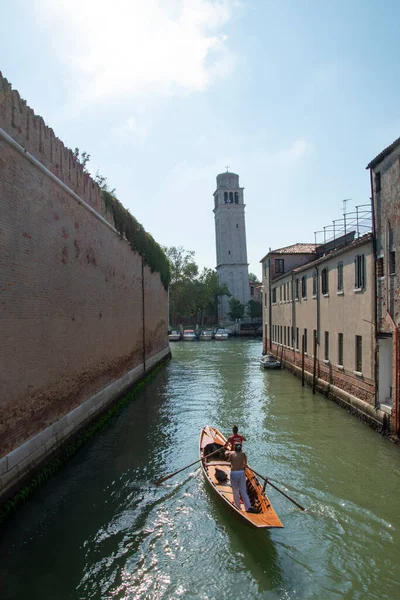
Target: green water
{"x":101,"y":529}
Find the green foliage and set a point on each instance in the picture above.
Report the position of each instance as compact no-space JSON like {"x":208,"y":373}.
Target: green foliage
{"x":55,"y":465}
{"x":253,"y":278}
{"x":236,"y":309}
{"x":191,"y":293}
{"x":254,"y":309}
{"x":83,"y":158}
{"x":140,"y":241}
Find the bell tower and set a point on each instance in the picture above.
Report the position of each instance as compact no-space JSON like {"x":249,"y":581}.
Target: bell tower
{"x":230,"y":237}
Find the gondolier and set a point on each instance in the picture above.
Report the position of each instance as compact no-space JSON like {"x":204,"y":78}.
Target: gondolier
{"x":236,"y":438}
{"x":238,"y":460}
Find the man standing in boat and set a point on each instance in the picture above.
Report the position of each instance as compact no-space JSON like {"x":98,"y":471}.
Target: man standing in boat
{"x":236,"y":438}
{"x":238,"y":460}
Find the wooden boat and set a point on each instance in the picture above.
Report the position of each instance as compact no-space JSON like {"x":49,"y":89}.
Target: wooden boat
{"x":265,"y":517}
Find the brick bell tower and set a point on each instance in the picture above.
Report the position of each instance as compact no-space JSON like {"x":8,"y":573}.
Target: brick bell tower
{"x":230,"y":237}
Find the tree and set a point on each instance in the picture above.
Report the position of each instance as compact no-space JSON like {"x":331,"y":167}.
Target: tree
{"x":254,"y":311}
{"x":236,"y":309}
{"x":210,"y":291}
{"x":183,"y":267}
{"x":253,"y":278}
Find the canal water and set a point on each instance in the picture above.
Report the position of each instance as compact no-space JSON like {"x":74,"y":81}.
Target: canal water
{"x":101,"y":529}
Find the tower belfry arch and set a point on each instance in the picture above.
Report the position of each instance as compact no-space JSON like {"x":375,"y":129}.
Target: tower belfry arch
{"x":230,"y":237}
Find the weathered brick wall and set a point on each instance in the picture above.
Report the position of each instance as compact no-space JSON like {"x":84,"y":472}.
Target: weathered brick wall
{"x":71,"y":297}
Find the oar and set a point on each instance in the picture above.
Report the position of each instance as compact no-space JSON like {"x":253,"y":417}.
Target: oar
{"x":275,"y":487}
{"x":159,"y":481}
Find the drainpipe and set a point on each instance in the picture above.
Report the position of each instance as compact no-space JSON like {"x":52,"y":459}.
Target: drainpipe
{"x":375,"y":294}
{"x":318,"y":308}
{"x":294,"y":318}
{"x":397,"y":378}
{"x":269,"y":303}
{"x":143,"y":319}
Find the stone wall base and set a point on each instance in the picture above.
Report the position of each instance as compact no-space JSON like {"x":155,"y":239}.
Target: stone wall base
{"x":17,"y":467}
{"x":374,"y":417}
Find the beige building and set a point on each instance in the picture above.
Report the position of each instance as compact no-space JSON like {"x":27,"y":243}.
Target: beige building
{"x":385,"y":192}
{"x":322,"y":296}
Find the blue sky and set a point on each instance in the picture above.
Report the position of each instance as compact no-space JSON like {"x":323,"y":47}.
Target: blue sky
{"x":295,"y":96}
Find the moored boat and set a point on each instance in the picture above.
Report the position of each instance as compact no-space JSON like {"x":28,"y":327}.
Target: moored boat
{"x":221,"y":334}
{"x":174,"y":336}
{"x":189,"y":335}
{"x":217,"y":466}
{"x":206,"y":335}
{"x":270,"y":362}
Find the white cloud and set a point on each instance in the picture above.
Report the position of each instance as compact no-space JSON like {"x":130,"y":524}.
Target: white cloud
{"x":126,"y":47}
{"x":298,"y":150}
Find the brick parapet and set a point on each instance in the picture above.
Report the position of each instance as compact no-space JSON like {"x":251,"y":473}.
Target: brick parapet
{"x":30,"y":131}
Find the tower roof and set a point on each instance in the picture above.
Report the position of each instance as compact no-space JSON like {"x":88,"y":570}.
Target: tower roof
{"x":228,"y":180}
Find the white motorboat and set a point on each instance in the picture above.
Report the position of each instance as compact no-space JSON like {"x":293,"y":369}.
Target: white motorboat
{"x":189,"y":335}
{"x":206,"y":335}
{"x":221,"y":334}
{"x":269,"y":362}
{"x":174,"y":335}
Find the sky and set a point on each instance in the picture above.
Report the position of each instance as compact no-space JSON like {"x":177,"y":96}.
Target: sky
{"x":295,"y":96}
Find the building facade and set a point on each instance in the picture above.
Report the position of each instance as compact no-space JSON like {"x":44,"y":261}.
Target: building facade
{"x":318,"y":315}
{"x":385,"y":193}
{"x":230,"y":237}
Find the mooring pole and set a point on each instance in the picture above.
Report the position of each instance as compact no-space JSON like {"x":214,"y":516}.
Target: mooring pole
{"x":315,"y":363}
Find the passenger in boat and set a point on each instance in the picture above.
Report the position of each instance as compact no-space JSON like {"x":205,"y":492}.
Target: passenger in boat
{"x":238,"y":460}
{"x":236,"y":438}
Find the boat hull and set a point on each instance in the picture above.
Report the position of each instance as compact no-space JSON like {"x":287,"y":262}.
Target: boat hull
{"x":265,"y":518}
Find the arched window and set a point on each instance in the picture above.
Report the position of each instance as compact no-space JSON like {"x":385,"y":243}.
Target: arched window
{"x":236,"y":198}
{"x":226,"y":197}
{"x":231,"y":197}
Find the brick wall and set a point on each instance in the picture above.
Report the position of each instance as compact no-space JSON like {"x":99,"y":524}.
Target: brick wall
{"x":71,"y":295}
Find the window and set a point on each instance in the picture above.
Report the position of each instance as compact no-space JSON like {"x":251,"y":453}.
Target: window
{"x":265,"y":300}
{"x":324,"y":282}
{"x":231,"y":197}
{"x":284,"y":292}
{"x":236,"y":198}
{"x":292,"y":338}
{"x":229,"y":251}
{"x":392,"y":263}
{"x":378,"y":182}
{"x":340,"y":277}
{"x":281,"y":334}
{"x":359,"y":271}
{"x":326,"y":345}
{"x":284,"y":335}
{"x":305,"y":341}
{"x":304,"y":287}
{"x":273,"y":296}
{"x":340,"y":349}
{"x":297,"y":338}
{"x":226,"y":197}
{"x":314,"y":339}
{"x":279,"y":265}
{"x":265,"y":269}
{"x":314,"y":285}
{"x":252,"y":290}
{"x":237,"y":226}
{"x":359,"y":353}
{"x":380,"y":267}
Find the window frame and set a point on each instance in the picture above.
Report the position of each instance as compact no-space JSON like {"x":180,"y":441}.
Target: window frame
{"x":325,"y":281}
{"x":340,"y":283}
